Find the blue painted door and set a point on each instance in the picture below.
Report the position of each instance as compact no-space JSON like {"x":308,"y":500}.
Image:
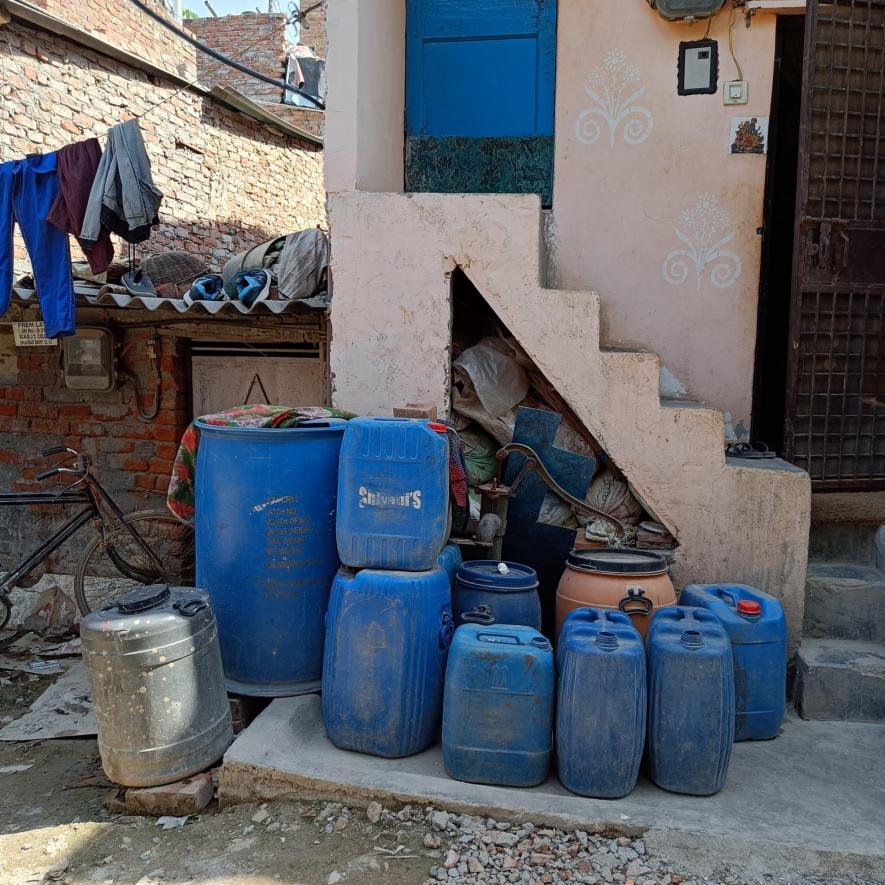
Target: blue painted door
{"x":480,"y":78}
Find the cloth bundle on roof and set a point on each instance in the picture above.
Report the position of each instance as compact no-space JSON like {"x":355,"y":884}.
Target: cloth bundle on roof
{"x":299,"y":262}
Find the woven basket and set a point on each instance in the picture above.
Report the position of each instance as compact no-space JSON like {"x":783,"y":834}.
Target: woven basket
{"x":178,"y":268}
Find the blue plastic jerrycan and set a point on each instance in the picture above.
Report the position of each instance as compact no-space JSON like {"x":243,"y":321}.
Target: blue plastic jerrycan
{"x":756,"y":626}
{"x":498,"y":707}
{"x":387,"y":638}
{"x":690,"y":701}
{"x":600,"y":703}
{"x":393,"y":494}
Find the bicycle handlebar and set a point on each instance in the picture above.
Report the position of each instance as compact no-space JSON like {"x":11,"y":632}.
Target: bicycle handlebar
{"x":55,"y":450}
{"x":46,"y":474}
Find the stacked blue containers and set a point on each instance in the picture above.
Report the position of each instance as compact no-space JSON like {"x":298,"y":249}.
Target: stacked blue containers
{"x":393,"y":494}
{"x":498,"y":711}
{"x":690,"y":701}
{"x":265,"y":549}
{"x":389,"y":623}
{"x":756,"y":626}
{"x":387,"y":640}
{"x":509,"y":590}
{"x":600,"y":703}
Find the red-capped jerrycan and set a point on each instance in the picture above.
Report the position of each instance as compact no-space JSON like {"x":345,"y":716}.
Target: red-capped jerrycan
{"x":756,"y":626}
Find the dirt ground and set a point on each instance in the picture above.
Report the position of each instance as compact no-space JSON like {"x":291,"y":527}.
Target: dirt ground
{"x":55,"y":828}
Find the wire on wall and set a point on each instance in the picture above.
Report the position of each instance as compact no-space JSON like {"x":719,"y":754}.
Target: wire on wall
{"x":737,"y":64}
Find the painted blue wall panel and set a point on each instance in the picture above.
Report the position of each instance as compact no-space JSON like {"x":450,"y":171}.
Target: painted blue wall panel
{"x":470,"y":97}
{"x":481,"y":68}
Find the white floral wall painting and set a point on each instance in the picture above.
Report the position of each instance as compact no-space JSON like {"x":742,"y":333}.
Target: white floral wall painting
{"x":615,"y":88}
{"x":705,"y":229}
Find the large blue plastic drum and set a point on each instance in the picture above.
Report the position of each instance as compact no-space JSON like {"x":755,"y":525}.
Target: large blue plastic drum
{"x":265,"y":549}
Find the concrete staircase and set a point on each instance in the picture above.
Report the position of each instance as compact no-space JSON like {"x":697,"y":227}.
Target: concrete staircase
{"x":840,"y":665}
{"x":734,"y":520}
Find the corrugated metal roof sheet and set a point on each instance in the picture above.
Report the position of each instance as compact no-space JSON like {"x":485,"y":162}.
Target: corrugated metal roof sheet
{"x":107,"y":296}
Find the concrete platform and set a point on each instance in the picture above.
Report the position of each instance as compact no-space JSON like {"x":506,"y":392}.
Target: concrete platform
{"x":819,"y":787}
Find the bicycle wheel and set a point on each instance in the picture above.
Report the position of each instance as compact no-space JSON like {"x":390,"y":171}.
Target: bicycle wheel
{"x":8,"y":634}
{"x":108,"y":565}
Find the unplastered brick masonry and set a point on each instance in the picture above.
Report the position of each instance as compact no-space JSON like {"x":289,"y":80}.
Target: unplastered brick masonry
{"x":229,"y":183}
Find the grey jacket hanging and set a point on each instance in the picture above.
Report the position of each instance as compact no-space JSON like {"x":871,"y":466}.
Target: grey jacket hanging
{"x":123,"y":198}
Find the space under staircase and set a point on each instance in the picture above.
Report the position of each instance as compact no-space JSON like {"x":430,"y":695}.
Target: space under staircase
{"x":840,"y":666}
{"x":734,"y":520}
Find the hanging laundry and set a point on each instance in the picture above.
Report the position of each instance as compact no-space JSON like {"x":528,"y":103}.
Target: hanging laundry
{"x":123,"y":198}
{"x":77,"y":166}
{"x":28,"y":189}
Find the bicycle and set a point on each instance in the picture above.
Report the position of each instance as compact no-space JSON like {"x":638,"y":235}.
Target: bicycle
{"x":144,"y":547}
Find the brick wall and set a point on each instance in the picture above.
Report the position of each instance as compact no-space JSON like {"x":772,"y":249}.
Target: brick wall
{"x":313,"y":121}
{"x":124,"y":25}
{"x":133,"y":457}
{"x":265,"y":35}
{"x":314,"y":36}
{"x":229,"y":182}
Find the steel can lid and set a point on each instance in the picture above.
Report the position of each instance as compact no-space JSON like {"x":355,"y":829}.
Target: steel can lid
{"x":484,"y":574}
{"x":616,"y":561}
{"x":749,"y":607}
{"x":143,"y":598}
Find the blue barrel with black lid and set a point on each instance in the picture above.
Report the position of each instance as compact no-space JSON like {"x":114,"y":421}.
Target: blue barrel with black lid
{"x":757,"y":628}
{"x":600,"y":703}
{"x":265,"y":549}
{"x":690,"y":701}
{"x":509,"y":591}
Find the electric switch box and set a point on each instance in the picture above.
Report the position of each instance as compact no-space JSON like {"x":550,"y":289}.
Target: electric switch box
{"x":736,"y":92}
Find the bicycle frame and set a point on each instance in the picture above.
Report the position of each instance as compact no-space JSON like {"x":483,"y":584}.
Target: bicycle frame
{"x":50,"y":545}
{"x":96,"y":499}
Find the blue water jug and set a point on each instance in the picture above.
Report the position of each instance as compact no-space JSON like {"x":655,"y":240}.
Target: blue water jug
{"x":450,"y":560}
{"x":498,"y":710}
{"x":265,"y":549}
{"x":756,"y":626}
{"x":508,"y":589}
{"x":600,"y":703}
{"x":690,"y":701}
{"x":393,"y":494}
{"x":387,"y":637}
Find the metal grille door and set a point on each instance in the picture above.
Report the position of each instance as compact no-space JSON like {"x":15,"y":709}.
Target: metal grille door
{"x":836,"y":390}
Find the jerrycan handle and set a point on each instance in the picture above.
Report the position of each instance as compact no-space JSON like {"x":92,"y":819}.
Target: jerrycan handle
{"x":727,"y":595}
{"x":636,"y":602}
{"x":446,"y":630}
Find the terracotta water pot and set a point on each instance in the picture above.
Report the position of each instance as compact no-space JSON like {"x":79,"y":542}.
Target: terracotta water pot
{"x":632,"y":581}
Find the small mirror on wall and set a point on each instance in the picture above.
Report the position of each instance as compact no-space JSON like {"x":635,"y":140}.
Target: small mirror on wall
{"x":698,"y":67}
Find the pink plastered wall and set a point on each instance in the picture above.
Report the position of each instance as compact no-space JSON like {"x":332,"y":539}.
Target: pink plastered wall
{"x":650,"y":207}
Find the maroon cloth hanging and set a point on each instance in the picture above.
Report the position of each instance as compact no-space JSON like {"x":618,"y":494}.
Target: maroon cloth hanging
{"x":77,"y":165}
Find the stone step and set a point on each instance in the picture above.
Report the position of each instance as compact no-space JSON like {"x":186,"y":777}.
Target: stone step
{"x":845,"y":600}
{"x":840,"y":679}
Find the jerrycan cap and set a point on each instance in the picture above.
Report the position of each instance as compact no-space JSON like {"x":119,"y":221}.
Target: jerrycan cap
{"x":749,"y":607}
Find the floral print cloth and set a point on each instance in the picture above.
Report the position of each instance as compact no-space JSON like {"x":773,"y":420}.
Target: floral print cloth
{"x":180,"y":497}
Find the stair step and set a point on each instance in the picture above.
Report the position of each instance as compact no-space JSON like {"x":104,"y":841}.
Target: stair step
{"x":845,"y":600}
{"x":841,"y":679}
